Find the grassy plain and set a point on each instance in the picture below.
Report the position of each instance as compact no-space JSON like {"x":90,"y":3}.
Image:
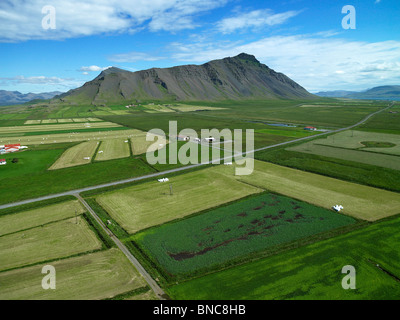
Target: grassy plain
{"x":146,"y":205}
{"x":78,"y":155}
{"x":94,"y":276}
{"x":33,"y":218}
{"x":113,"y":149}
{"x":359,"y":201}
{"x":140,"y":145}
{"x":312,"y":272}
{"x":52,"y":241}
{"x":234,"y":231}
{"x":4,"y":131}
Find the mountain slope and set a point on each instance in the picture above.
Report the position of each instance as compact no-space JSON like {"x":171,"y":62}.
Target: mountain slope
{"x":377,"y":93}
{"x":241,"y":77}
{"x":16,"y":97}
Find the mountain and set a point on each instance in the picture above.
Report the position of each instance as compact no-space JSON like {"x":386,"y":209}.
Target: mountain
{"x":377,"y":93}
{"x":240,"y":77}
{"x":15,"y":97}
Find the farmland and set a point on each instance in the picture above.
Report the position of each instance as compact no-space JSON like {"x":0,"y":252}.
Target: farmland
{"x":371,"y":148}
{"x":146,"y":205}
{"x":78,"y":155}
{"x":4,"y":131}
{"x":59,"y":239}
{"x":234,"y":231}
{"x":113,"y":149}
{"x":73,"y":137}
{"x":359,"y":201}
{"x":140,"y":144}
{"x":95,"y":276}
{"x":37,"y":217}
{"x":311,"y":272}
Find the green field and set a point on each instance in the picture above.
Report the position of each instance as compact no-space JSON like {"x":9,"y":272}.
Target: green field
{"x":33,"y":218}
{"x":359,"y":201}
{"x":146,"y":205}
{"x":93,"y":276}
{"x":234,"y":231}
{"x":4,"y":131}
{"x":140,"y":144}
{"x":56,"y":240}
{"x":70,"y":137}
{"x":312,"y":272}
{"x":113,"y":149}
{"x":76,"y":156}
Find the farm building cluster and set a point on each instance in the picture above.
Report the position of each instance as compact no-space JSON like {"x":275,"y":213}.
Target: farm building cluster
{"x":9,"y":148}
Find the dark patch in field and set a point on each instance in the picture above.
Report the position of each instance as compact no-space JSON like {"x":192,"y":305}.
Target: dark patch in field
{"x":243,"y":214}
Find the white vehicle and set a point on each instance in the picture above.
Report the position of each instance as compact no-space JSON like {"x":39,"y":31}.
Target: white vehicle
{"x":338,"y":208}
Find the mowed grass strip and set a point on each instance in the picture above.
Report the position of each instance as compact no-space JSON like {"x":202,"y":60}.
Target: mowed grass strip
{"x":33,"y":218}
{"x":56,"y":127}
{"x":73,"y":137}
{"x":359,"y":201}
{"x":32,"y":122}
{"x":149,"y":204}
{"x":312,"y":272}
{"x":94,"y":276}
{"x":52,"y":241}
{"x":140,"y":145}
{"x":113,"y":149}
{"x":76,"y":156}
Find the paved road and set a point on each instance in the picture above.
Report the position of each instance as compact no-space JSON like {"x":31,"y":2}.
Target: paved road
{"x":153,"y":285}
{"x":164,"y":173}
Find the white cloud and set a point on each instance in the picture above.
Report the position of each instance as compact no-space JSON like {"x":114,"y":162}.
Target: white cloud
{"x":314,"y":62}
{"x":86,"y":70}
{"x":22,"y":20}
{"x":254,"y":19}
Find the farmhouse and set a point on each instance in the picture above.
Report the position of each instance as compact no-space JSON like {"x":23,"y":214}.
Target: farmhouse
{"x":3,"y":162}
{"x":310,"y":128}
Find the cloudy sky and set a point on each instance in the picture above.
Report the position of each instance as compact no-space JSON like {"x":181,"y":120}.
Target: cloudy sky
{"x":48,"y":45}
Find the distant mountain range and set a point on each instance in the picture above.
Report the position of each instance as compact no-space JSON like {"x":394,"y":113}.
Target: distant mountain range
{"x":15,"y":97}
{"x":378,"y":93}
{"x":240,"y":77}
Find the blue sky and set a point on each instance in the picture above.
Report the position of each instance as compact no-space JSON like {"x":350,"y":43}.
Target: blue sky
{"x":302,"y":38}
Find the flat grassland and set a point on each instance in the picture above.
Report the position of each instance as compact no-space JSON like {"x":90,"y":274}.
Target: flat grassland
{"x":72,"y":137}
{"x":357,"y":140}
{"x":312,"y":272}
{"x":149,"y":204}
{"x":56,"y":127}
{"x":191,"y":108}
{"x":94,"y":276}
{"x":52,"y":241}
{"x":233,"y":231}
{"x":113,"y":149}
{"x":76,"y":155}
{"x":140,"y":145}
{"x":33,"y":218}
{"x":359,"y":201}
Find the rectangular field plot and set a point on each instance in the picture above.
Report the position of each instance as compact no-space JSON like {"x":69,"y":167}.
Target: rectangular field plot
{"x":190,"y":108}
{"x":113,"y":149}
{"x":359,"y":201}
{"x":33,"y":122}
{"x":33,"y":218}
{"x":378,"y":149}
{"x":93,"y":276}
{"x":140,"y":145}
{"x":49,"y":121}
{"x":312,"y":272}
{"x":234,"y":231}
{"x":76,"y":156}
{"x":56,"y":127}
{"x":146,"y":205}
{"x":65,"y":120}
{"x":80,"y":120}
{"x":73,"y":137}
{"x":52,"y":241}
